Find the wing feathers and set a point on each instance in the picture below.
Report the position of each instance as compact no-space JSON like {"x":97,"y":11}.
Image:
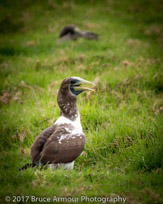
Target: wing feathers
{"x":56,"y":145}
{"x":39,"y":143}
{"x":63,"y":152}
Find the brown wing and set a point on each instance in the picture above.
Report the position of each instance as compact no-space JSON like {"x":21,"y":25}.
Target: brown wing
{"x":39,"y":143}
{"x":64,"y":151}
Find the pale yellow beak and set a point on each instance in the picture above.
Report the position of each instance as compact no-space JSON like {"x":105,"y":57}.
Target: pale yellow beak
{"x":78,"y":86}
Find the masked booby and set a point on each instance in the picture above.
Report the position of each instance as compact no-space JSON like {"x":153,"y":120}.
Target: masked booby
{"x":72,"y":32}
{"x":60,"y":144}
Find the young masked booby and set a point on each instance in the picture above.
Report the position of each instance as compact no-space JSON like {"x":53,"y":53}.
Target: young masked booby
{"x":73,"y":33}
{"x":60,"y":144}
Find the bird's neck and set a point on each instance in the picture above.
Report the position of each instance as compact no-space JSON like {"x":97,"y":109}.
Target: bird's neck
{"x":68,"y":108}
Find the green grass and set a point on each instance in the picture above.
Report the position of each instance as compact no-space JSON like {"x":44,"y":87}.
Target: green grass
{"x":122,"y":120}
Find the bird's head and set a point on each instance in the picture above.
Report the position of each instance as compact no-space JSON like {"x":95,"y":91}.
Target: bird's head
{"x":74,"y":86}
{"x":69,"y":90}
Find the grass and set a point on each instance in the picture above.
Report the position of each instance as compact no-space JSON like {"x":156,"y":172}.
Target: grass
{"x":122,"y":120}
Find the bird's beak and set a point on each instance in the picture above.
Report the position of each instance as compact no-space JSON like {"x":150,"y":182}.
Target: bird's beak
{"x":78,"y":85}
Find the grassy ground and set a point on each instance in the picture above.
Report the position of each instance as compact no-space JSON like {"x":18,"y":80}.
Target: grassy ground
{"x":122,"y":120}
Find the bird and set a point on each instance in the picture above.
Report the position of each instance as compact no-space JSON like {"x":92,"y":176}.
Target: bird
{"x":72,"y":32}
{"x":59,"y":145}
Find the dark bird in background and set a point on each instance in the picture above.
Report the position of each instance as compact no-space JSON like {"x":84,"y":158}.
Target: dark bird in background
{"x":60,"y":144}
{"x":71,"y":32}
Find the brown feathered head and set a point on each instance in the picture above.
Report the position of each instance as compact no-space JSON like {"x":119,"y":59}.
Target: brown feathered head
{"x":69,"y":90}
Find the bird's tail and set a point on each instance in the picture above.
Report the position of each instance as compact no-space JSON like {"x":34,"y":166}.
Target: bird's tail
{"x":26,"y":166}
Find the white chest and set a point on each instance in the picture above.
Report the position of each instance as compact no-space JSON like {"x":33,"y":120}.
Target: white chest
{"x":77,"y":128}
